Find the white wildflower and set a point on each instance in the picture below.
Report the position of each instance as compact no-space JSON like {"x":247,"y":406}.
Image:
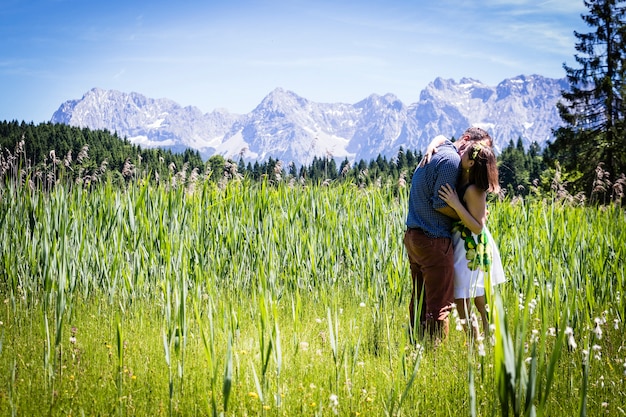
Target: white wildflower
{"x":585,"y":353}
{"x":459,"y":324}
{"x":616,"y":324}
{"x":362,"y":305}
{"x":532,"y":304}
{"x":334,"y":403}
{"x":603,"y":317}
{"x":474,"y":323}
{"x":569,"y":332}
{"x":492,"y":334}
{"x":481,"y":348}
{"x":304,"y":346}
{"x":534,"y":336}
{"x":597,"y":349}
{"x":551,"y":331}
{"x":597,"y":330}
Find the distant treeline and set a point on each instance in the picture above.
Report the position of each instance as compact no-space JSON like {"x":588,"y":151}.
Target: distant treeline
{"x":52,"y":151}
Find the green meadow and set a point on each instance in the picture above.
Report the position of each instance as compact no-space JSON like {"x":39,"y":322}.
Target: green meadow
{"x":251,"y":299}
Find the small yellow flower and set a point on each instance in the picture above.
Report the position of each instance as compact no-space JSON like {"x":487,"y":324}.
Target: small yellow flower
{"x":133,"y":377}
{"x":253,"y":394}
{"x":313,"y":404}
{"x":71,"y":377}
{"x":266,"y":407}
{"x":369,"y":399}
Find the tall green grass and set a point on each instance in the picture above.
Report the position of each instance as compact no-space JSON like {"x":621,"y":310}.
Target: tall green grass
{"x":264,"y":299}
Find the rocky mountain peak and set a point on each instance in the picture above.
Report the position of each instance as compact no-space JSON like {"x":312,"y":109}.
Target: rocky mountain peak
{"x":292,"y":128}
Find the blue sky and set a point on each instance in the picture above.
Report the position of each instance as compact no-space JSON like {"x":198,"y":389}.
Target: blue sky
{"x":231,"y":53}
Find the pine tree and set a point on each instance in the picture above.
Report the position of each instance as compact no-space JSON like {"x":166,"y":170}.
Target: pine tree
{"x":513,"y":172}
{"x":593,"y":108}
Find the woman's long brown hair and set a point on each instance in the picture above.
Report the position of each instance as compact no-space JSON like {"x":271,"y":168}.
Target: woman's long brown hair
{"x":484,"y":173}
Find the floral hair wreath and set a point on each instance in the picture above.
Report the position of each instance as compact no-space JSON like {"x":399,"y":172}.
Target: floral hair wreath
{"x":477,"y":148}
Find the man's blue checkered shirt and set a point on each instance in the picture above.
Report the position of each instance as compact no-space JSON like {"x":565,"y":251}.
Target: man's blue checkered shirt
{"x":443,"y":168}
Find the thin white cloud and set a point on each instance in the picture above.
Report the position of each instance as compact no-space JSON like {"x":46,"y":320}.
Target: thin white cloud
{"x":320,"y":61}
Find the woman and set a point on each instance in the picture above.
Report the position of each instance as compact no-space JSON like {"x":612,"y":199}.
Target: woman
{"x":476,"y":256}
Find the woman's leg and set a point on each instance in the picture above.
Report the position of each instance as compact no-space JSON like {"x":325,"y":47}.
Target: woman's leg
{"x":480,"y":304}
{"x":463,"y":307}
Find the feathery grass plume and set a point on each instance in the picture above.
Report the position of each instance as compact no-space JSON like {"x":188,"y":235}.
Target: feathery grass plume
{"x":99,"y":173}
{"x":128,"y":170}
{"x":180,"y":177}
{"x":193,"y":180}
{"x":346,"y":169}
{"x":4,"y":164}
{"x":278,"y":171}
{"x":67,"y":161}
{"x":601,"y":185}
{"x":618,"y":189}
{"x":83,"y":154}
{"x":402,"y":180}
{"x":558,"y":187}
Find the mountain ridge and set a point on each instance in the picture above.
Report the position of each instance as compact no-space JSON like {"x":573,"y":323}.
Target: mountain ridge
{"x":291,"y":128}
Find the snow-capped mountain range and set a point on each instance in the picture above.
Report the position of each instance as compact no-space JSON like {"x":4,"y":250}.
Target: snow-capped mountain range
{"x":291,"y":128}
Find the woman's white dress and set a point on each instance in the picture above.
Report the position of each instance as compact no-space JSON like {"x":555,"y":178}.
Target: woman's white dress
{"x":476,"y":261}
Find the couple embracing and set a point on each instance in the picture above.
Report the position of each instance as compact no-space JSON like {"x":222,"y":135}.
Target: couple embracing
{"x":451,"y":252}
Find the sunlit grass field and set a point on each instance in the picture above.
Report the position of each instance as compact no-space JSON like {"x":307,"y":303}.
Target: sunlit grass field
{"x":258,"y":299}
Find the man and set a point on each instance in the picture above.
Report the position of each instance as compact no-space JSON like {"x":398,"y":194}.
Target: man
{"x":428,"y":238}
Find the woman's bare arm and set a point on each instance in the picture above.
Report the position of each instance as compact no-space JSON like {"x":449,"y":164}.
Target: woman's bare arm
{"x":474,"y":216}
{"x":432,"y":148}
